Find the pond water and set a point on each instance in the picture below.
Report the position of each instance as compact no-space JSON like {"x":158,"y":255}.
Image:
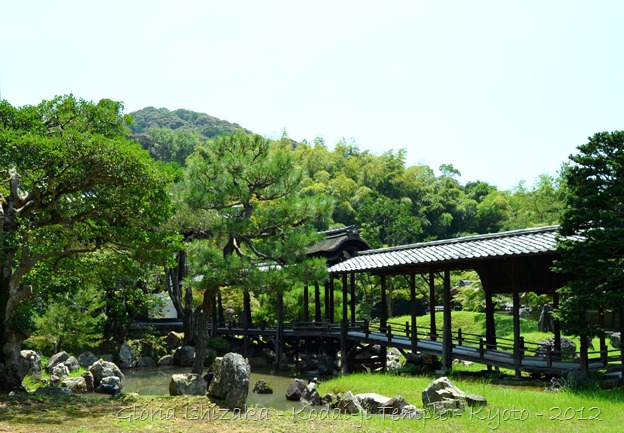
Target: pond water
{"x":155,"y":381}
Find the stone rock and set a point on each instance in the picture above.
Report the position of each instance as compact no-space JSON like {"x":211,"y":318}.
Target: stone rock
{"x":311,"y":395}
{"x":53,"y":391}
{"x":187,"y":384}
{"x":396,"y":405}
{"x":231,"y":381}
{"x":568,"y":348}
{"x":261,"y":387}
{"x":127,"y":356}
{"x":72,"y":363}
{"x":60,"y":371}
{"x":55,"y":380}
{"x":173,"y":340}
{"x":166,"y":360}
{"x":101,"y":369}
{"x":77,"y":385}
{"x":441,"y":395}
{"x":184,"y":356}
{"x":111,"y":380}
{"x":108,"y":389}
{"x":393,"y":363}
{"x":86,"y":359}
{"x":56,"y":359}
{"x":146,"y":361}
{"x":30,"y":364}
{"x":350,"y":404}
{"x":88,"y":378}
{"x":414,"y":359}
{"x":616,"y":340}
{"x":372,"y":402}
{"x":329,"y":399}
{"x":295,"y":390}
{"x":108,"y":357}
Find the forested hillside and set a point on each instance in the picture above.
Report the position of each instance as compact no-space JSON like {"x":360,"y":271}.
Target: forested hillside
{"x":390,"y":202}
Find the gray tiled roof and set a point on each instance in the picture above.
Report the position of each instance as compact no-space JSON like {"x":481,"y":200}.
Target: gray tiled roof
{"x":542,"y":240}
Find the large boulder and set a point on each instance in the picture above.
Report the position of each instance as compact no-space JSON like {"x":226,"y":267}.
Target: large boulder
{"x":86,"y":359}
{"x":146,"y":361}
{"x":441,"y":395}
{"x":72,"y":363}
{"x":372,"y":402}
{"x":568,"y":348}
{"x":184,"y":356}
{"x":187,"y":384}
{"x":350,"y":404}
{"x":231,"y":381}
{"x":127,"y":356}
{"x":311,"y":395}
{"x":173,"y":340}
{"x":53,"y":391}
{"x":166,"y":360}
{"x":56,"y":359}
{"x":102,"y":369}
{"x":77,"y":385}
{"x":295,"y":390}
{"x":30,"y":364}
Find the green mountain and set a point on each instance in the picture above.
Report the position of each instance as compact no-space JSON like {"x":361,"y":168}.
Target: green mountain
{"x":202,"y":124}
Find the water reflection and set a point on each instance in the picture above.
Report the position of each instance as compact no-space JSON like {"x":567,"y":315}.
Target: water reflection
{"x":155,"y":381}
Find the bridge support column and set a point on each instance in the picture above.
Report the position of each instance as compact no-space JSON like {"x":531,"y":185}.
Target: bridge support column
{"x":432,"y":305}
{"x":344,"y":326}
{"x":517,"y":355}
{"x":332,"y":301}
{"x":352,"y":300}
{"x":414,"y":334}
{"x":383,"y":322}
{"x":279,"y":330}
{"x":447,"y":337}
{"x":556,"y":324}
{"x":306,"y":300}
{"x":317,"y":302}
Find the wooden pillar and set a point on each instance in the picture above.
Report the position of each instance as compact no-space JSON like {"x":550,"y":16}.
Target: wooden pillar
{"x":214,"y":315}
{"x":279,"y":330}
{"x":326,"y":286}
{"x":247,"y":308}
{"x":344,"y":326}
{"x":306,"y":300}
{"x":352,"y":300}
{"x":221,"y":316}
{"x":432,"y":305}
{"x":516,"y":320}
{"x":383,"y":320}
{"x":332,"y":301}
{"x":447,"y":336}
{"x":414,"y":336}
{"x":621,"y":335}
{"x":584,"y":356}
{"x":490,"y":323}
{"x":556,"y":324}
{"x":317,"y":302}
{"x":603,"y":343}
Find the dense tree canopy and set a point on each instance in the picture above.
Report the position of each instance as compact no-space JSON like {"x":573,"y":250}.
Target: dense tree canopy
{"x":592,"y":230}
{"x":70,"y":183}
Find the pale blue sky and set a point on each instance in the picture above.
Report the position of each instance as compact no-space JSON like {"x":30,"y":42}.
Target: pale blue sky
{"x":503,"y":90}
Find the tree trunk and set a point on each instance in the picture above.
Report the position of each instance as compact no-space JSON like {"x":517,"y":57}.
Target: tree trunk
{"x":201,"y":343}
{"x":10,"y":340}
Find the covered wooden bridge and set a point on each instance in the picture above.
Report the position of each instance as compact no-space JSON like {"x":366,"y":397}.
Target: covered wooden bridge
{"x":507,"y":263}
{"x":511,"y":263}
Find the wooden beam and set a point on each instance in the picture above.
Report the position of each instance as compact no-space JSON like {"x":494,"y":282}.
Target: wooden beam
{"x":317,"y":302}
{"x":414,"y":336}
{"x":352,"y":300}
{"x":516,"y":320}
{"x":432,"y":305}
{"x":384,"y":307}
{"x":447,"y":337}
{"x":306,"y":300}
{"x":332,"y":301}
{"x":344,"y":326}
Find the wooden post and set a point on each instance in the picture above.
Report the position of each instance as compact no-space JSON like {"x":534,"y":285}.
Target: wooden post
{"x":584,"y":356}
{"x":603,"y":343}
{"x":344,"y":328}
{"x":326,"y":286}
{"x":383,"y":320}
{"x":221,"y":316}
{"x":490,"y":323}
{"x":317,"y":302}
{"x":414,"y":335}
{"x":279,"y":329}
{"x":332,"y":301}
{"x":306,"y":307}
{"x":432,"y":321}
{"x":246,"y":322}
{"x":447,"y":336}
{"x":556,"y":324}
{"x":516,"y":320}
{"x":622,"y":335}
{"x":352,"y":300}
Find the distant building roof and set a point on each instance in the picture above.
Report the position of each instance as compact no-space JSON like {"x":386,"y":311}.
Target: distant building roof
{"x":339,"y":245}
{"x":525,"y":242}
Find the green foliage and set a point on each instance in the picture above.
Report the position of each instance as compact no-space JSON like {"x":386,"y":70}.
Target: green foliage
{"x":592,"y":231}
